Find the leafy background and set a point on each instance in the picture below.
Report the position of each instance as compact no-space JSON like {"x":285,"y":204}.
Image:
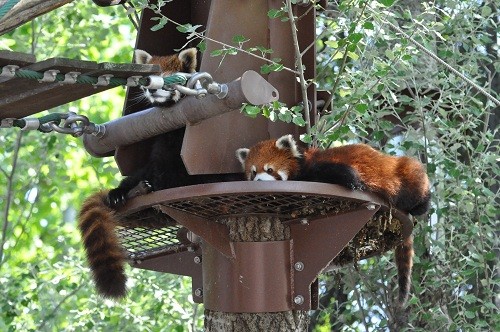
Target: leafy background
{"x":371,"y":71}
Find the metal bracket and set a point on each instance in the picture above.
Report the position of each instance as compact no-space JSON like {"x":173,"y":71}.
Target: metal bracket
{"x":133,"y":81}
{"x":9,"y":71}
{"x":49,"y":76}
{"x":71,"y":77}
{"x":316,"y":243}
{"x":7,"y":123}
{"x":103,"y":80}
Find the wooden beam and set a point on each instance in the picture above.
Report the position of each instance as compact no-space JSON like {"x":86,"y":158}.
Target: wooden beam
{"x":26,"y":10}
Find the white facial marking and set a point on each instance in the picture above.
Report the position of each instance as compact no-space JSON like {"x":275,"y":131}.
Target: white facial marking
{"x":264,"y":177}
{"x":283,"y":174}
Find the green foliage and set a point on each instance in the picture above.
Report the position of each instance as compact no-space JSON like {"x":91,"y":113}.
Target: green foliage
{"x":385,"y":92}
{"x":45,"y":177}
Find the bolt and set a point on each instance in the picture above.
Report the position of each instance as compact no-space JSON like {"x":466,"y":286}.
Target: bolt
{"x":299,"y":299}
{"x":299,"y":266}
{"x":198,"y":292}
{"x":371,"y":207}
{"x":304,"y":221}
{"x":197,"y":259}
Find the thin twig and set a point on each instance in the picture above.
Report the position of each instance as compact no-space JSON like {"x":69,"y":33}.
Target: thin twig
{"x":52,"y":313}
{"x":300,"y":66}
{"x":438,"y":59}
{"x":8,"y":199}
{"x":238,"y":48}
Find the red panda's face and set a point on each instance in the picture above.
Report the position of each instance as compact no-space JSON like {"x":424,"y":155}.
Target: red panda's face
{"x":184,"y":62}
{"x":271,"y":160}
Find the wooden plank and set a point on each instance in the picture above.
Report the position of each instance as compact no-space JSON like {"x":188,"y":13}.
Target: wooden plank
{"x":20,"y":97}
{"x":16,"y":58}
{"x":26,"y":10}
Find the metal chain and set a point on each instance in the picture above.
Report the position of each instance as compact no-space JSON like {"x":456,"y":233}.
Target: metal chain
{"x":65,"y":123}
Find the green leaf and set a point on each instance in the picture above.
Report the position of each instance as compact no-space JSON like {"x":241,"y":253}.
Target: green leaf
{"x":240,"y":39}
{"x":386,"y":3}
{"x":368,"y":26}
{"x":275,"y":13}
{"x":361,"y":108}
{"x":355,"y":37}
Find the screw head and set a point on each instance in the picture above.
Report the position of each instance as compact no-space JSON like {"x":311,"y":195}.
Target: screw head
{"x":371,"y":207}
{"x":304,"y":221}
{"x":299,"y":299}
{"x":198,"y":292}
{"x":197,"y":259}
{"x":299,"y":266}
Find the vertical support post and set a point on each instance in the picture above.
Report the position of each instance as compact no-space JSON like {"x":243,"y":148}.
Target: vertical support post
{"x":255,"y":229}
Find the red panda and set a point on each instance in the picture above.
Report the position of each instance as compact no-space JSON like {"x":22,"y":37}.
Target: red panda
{"x":97,"y":220}
{"x":402,"y":181}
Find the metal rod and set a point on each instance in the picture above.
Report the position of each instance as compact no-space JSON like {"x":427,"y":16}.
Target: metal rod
{"x":250,"y":88}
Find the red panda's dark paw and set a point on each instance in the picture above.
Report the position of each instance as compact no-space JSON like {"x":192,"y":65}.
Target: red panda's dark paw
{"x":116,"y":198}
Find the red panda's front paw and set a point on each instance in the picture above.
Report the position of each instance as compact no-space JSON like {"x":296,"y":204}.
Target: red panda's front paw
{"x":116,"y":198}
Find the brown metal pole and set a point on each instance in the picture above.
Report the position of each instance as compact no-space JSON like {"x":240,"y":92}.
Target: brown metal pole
{"x":256,"y":229}
{"x":250,"y":88}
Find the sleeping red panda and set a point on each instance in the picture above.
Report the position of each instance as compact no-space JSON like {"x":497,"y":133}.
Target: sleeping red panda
{"x":402,"y":181}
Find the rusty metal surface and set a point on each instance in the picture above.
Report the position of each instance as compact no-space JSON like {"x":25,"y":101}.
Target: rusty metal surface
{"x":317,"y":242}
{"x":258,"y":276}
{"x":214,"y":234}
{"x":180,"y":263}
{"x":164,"y":41}
{"x":20,"y":97}
{"x":256,"y":280}
{"x":233,"y":130}
{"x":290,"y":200}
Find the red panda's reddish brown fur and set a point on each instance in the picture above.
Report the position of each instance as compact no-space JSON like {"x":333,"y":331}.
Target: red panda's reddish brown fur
{"x":402,"y":181}
{"x":97,"y":218}
{"x":105,"y":256}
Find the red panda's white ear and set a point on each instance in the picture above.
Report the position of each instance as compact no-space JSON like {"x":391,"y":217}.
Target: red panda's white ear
{"x":188,"y":59}
{"x":142,"y":57}
{"x":242,"y":155}
{"x":288,"y":143}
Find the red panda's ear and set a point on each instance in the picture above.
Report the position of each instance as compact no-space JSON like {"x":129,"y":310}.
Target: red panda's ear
{"x":242,"y":155}
{"x":288,"y":143}
{"x":142,"y":57}
{"x":188,"y":60}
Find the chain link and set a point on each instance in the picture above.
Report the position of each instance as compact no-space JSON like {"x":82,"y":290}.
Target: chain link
{"x":64,"y":123}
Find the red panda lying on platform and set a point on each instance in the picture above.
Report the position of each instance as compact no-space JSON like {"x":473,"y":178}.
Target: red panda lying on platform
{"x":402,"y":181}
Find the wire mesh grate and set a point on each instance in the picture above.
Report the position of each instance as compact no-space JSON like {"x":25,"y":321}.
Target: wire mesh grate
{"x":149,"y":232}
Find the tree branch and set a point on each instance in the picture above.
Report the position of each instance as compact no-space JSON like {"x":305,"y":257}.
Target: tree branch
{"x":10,"y":181}
{"x":300,"y":67}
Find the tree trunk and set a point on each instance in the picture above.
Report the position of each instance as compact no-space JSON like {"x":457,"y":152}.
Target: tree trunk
{"x":256,"y":229}
{"x":26,"y":10}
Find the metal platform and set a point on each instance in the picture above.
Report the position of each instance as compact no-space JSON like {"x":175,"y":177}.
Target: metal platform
{"x":328,"y":225}
{"x":20,"y":97}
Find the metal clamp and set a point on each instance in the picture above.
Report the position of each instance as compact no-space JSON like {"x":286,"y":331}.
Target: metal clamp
{"x":208,"y":84}
{"x":154,"y":82}
{"x":7,"y":123}
{"x":71,"y":77}
{"x":31,"y":124}
{"x":49,"y":76}
{"x":9,"y":71}
{"x":133,"y":81}
{"x":103,"y":80}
